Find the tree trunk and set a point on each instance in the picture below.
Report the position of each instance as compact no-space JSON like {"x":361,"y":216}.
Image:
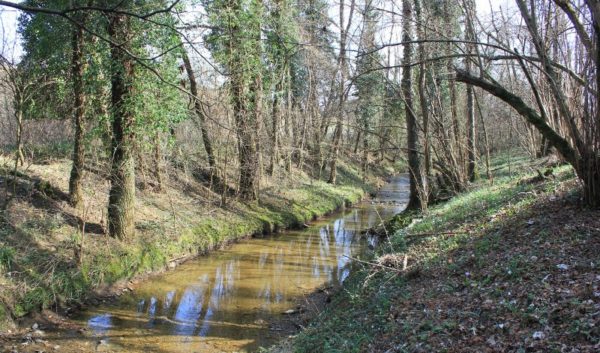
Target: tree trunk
{"x":77,"y":71}
{"x":424,"y":103}
{"x":590,"y":174}
{"x":412,"y":132}
{"x":471,"y":138}
{"x":121,"y":203}
{"x":19,"y":157}
{"x":315,"y":119}
{"x":471,"y":129}
{"x":247,"y":148}
{"x":276,"y":117}
{"x":365,"y":154}
{"x":337,"y":136}
{"x":157,"y":162}
{"x":199,"y":111}
{"x":488,"y":169}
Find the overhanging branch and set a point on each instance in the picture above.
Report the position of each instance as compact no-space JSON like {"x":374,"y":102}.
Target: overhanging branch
{"x":532,"y":116}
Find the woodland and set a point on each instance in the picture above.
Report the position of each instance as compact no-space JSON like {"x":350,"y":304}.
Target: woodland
{"x":213,"y":110}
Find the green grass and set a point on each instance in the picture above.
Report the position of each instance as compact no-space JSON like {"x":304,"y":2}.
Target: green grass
{"x":358,"y":313}
{"x":48,"y":277}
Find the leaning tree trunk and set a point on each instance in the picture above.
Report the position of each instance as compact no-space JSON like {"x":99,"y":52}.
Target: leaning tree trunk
{"x":121,"y":201}
{"x":199,"y":111}
{"x":77,"y":71}
{"x":586,"y":166}
{"x":412,"y":132}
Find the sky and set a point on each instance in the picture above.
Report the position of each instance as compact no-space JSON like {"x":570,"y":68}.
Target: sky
{"x":8,"y":33}
{"x":11,"y":49}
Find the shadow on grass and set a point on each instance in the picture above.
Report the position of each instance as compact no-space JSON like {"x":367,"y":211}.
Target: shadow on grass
{"x":46,"y":197}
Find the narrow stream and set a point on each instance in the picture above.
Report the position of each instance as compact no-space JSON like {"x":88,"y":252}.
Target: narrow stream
{"x":223,"y":302}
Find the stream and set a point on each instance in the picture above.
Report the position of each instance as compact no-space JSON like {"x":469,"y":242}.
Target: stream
{"x":225,"y":301}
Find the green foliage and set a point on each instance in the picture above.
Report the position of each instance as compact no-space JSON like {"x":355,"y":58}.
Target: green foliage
{"x":53,"y":149}
{"x":48,"y":56}
{"x":7,"y":257}
{"x":362,"y":310}
{"x":341,"y":328}
{"x":370,"y":82}
{"x":235,"y":40}
{"x":401,"y":221}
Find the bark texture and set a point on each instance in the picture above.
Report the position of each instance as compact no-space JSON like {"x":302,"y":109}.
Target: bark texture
{"x":121,"y":203}
{"x":77,"y":71}
{"x":412,"y":132}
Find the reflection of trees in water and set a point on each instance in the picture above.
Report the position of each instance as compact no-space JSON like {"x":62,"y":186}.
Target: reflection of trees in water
{"x":189,"y":308}
{"x":343,"y":242}
{"x":324,"y":252}
{"x":100,"y":324}
{"x":215,"y":306}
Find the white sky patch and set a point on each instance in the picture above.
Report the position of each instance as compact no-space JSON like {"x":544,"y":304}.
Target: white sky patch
{"x":12,"y":50}
{"x":10,"y":47}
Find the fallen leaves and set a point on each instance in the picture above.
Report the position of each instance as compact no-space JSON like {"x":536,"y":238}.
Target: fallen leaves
{"x":528,"y":282}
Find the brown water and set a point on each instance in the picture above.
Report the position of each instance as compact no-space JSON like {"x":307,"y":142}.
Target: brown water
{"x":224,"y":302}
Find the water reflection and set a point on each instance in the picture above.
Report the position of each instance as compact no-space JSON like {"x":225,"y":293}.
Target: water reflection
{"x":225,"y":298}
{"x":100,"y":323}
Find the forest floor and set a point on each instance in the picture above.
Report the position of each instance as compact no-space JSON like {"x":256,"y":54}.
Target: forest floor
{"x":510,"y":266}
{"x":47,"y":262}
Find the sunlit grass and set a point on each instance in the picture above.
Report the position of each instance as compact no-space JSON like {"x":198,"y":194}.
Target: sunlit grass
{"x":358,"y":313}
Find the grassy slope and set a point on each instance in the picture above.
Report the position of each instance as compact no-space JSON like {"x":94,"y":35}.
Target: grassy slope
{"x":483,"y":275}
{"x":38,"y":246}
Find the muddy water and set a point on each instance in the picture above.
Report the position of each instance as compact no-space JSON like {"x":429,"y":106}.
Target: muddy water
{"x":224,"y":302}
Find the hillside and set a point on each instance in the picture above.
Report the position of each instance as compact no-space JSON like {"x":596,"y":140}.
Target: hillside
{"x":508,"y":267}
{"x":48,"y":262}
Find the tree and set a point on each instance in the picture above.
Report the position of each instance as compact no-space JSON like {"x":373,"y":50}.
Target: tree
{"x":412,"y":131}
{"x":281,"y":36}
{"x":579,"y":144}
{"x":77,"y":73}
{"x":342,"y":93}
{"x":313,"y":74}
{"x":46,"y":39}
{"x":121,"y":203}
{"x":236,"y":44}
{"x":369,"y":82}
{"x":199,"y":109}
{"x":471,"y":122}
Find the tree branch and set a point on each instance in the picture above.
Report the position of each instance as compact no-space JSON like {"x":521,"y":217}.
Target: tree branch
{"x":560,"y":143}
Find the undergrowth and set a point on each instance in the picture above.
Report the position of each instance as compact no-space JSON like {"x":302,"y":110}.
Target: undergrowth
{"x":363,"y":312}
{"x":38,"y":250}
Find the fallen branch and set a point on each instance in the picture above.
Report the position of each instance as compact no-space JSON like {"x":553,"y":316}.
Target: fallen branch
{"x":438,"y":233}
{"x":375,"y":264}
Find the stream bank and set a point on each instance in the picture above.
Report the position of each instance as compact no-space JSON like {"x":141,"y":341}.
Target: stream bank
{"x":227,"y":301}
{"x":40,"y":242}
{"x":510,"y":266}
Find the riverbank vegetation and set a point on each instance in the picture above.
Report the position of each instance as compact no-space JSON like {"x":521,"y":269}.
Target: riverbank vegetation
{"x":134,"y":134}
{"x":50,"y":262}
{"x":508,"y":266}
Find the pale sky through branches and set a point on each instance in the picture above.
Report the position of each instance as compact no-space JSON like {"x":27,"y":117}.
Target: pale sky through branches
{"x":12,"y":49}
